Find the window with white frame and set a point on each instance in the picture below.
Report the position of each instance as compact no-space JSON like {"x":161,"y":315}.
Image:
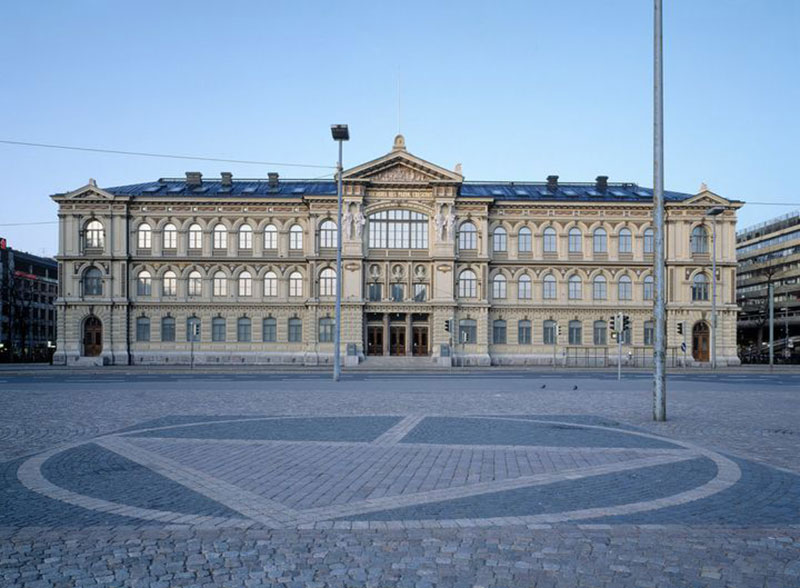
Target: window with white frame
{"x":327,"y":234}
{"x":144,"y":284}
{"x":94,"y":235}
{"x":270,"y":237}
{"x":327,"y":282}
{"x":144,"y":236}
{"x":467,"y":237}
{"x":648,"y":288}
{"x":600,"y":241}
{"x":398,"y":229}
{"x":296,"y":238}
{"x":499,"y":287}
{"x":624,"y":288}
{"x":195,"y":284}
{"x":599,"y":290}
{"x":524,"y":287}
{"x":195,"y":237}
{"x":270,"y":284}
{"x":549,"y":287}
{"x":550,"y":240}
{"x":467,"y":284}
{"x":220,"y":237}
{"x":575,"y":240}
{"x":625,"y":241}
{"x":700,"y":288}
{"x":499,"y":240}
{"x":220,"y":284}
{"x":169,"y":284}
{"x":245,"y":284}
{"x":649,"y":240}
{"x":169,"y":237}
{"x":295,"y":284}
{"x":245,"y":237}
{"x":575,"y":287}
{"x":524,"y":242}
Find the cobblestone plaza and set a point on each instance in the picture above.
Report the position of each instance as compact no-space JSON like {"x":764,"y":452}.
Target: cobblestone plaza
{"x":484,"y":478}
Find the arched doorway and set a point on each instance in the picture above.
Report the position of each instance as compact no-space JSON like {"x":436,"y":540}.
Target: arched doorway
{"x":92,"y":337}
{"x":700,"y":341}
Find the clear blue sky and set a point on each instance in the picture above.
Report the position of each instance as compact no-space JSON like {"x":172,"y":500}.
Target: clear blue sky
{"x":513,"y":90}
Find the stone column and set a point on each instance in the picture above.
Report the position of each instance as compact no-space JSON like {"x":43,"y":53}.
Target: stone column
{"x":408,"y":335}
{"x":386,"y":334}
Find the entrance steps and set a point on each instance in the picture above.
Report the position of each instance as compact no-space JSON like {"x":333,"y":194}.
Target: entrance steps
{"x":398,"y":362}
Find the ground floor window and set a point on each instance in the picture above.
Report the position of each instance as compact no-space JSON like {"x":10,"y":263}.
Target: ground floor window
{"x":549,"y":332}
{"x":270,"y":330}
{"x":218,"y":329}
{"x":295,"y":330}
{"x":649,"y":333}
{"x":499,"y":332}
{"x":326,"y":330}
{"x":467,"y":331}
{"x":142,"y":328}
{"x":167,"y":328}
{"x":600,"y":332}
{"x":244,"y":330}
{"x":193,"y":329}
{"x":524,"y":332}
{"x":575,"y":333}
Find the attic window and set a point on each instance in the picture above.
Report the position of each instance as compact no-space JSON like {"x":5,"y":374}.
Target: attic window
{"x":152,"y":189}
{"x":570,"y":193}
{"x":200,"y":190}
{"x":297,"y":191}
{"x":520,"y":192}
{"x":643,"y":193}
{"x":249,"y":190}
{"x":497,"y":192}
{"x":619,"y":193}
{"x":175,"y":189}
{"x":593,"y":192}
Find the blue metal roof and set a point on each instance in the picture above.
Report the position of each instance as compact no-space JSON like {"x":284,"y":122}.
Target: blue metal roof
{"x":525,"y":191}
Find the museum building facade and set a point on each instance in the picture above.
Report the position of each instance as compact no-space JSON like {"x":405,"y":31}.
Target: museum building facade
{"x":239,"y":271}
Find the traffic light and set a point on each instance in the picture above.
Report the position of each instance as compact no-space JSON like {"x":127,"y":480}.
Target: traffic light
{"x":680,"y":328}
{"x":614,"y":335}
{"x":558,"y":330}
{"x":613,"y":324}
{"x":447,"y":325}
{"x":626,"y":323}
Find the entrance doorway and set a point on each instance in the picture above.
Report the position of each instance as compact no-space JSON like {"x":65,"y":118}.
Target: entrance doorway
{"x":375,"y":340}
{"x":92,"y":337}
{"x":419,"y":345}
{"x":700,"y":339}
{"x":397,"y":340}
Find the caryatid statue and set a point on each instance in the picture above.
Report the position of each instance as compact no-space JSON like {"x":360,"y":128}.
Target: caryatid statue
{"x":359,"y":220}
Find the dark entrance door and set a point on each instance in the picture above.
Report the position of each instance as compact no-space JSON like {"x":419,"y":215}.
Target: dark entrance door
{"x":397,"y":340}
{"x":420,"y":341}
{"x":92,"y":337}
{"x":700,"y":339}
{"x":375,"y":340}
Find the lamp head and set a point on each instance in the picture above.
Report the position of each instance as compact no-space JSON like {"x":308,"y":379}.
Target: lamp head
{"x":340,"y":133}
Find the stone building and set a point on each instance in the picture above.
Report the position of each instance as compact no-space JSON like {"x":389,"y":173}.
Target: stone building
{"x":435,"y":267}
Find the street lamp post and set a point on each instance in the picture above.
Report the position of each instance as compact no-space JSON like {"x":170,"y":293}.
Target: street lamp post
{"x":341,"y":134}
{"x":714,"y":212}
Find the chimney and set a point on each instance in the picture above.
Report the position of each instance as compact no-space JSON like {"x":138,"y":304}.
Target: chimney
{"x":227,"y":179}
{"x":194,"y":179}
{"x":601,"y":183}
{"x":273,"y":179}
{"x":552,"y":183}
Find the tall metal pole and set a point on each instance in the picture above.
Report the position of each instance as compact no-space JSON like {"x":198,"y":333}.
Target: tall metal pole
{"x":660,"y":347}
{"x":770,"y":293}
{"x":337,"y":369}
{"x":619,"y":347}
{"x":714,"y":295}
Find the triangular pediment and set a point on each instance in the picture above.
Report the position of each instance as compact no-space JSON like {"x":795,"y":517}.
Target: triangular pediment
{"x":400,"y":167}
{"x":707,"y":198}
{"x":89,"y":192}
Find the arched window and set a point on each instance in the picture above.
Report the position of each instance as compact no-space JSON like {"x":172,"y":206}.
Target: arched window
{"x":245,"y":284}
{"x":624,"y":288}
{"x":468,"y":331}
{"x":296,"y":238}
{"x":295,"y":330}
{"x":700,"y":287}
{"x":549,"y":287}
{"x":168,"y":328}
{"x":499,"y":332}
{"x":599,"y":288}
{"x":327,"y":282}
{"x":575,"y":333}
{"x":245,"y":237}
{"x":524,"y":240}
{"x":142,"y":328}
{"x":169,"y":284}
{"x":220,"y":285}
{"x":600,"y":332}
{"x":625,"y":241}
{"x":93,"y":282}
{"x":549,"y":332}
{"x":699,"y":240}
{"x":524,"y":332}
{"x":195,"y":237}
{"x":144,"y":236}
{"x":326,"y":330}
{"x":499,"y":240}
{"x":270,"y":284}
{"x":244,"y":330}
{"x":550,"y":241}
{"x":327,"y":234}
{"x":575,"y":288}
{"x":144,"y":284}
{"x":600,"y":241}
{"x":524,"y":287}
{"x":467,"y":284}
{"x":398,"y":229}
{"x":648,"y":288}
{"x":499,"y":287}
{"x":195,"y":284}
{"x":467,"y":237}
{"x":94,"y":235}
{"x":575,"y":241}
{"x":169,"y":237}
{"x":295,"y":284}
{"x":218,"y":329}
{"x":270,"y":237}
{"x":269,"y":333}
{"x":220,"y":237}
{"x":649,"y":240}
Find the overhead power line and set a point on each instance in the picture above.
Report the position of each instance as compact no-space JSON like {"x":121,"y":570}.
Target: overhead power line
{"x":164,"y":155}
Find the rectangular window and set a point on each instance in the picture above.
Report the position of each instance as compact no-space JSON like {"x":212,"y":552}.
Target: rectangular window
{"x":270,"y":330}
{"x":524,"y":242}
{"x":468,"y":331}
{"x":524,"y":332}
{"x":648,"y":241}
{"x":374,"y":292}
{"x":420,"y":292}
{"x":295,"y":330}
{"x":218,"y":329}
{"x":193,"y":329}
{"x":649,"y":333}
{"x":575,"y":333}
{"x":168,"y":329}
{"x":326,"y":330}
{"x":549,"y":333}
{"x":600,"y":333}
{"x":499,"y":332}
{"x":550,"y":241}
{"x":625,"y":244}
{"x":142,"y":329}
{"x":398,"y":294}
{"x":244,"y":331}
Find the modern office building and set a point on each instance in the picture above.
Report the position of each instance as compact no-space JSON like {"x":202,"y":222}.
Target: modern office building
{"x":28,"y":288}
{"x":769,"y":253}
{"x":434,"y":267}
